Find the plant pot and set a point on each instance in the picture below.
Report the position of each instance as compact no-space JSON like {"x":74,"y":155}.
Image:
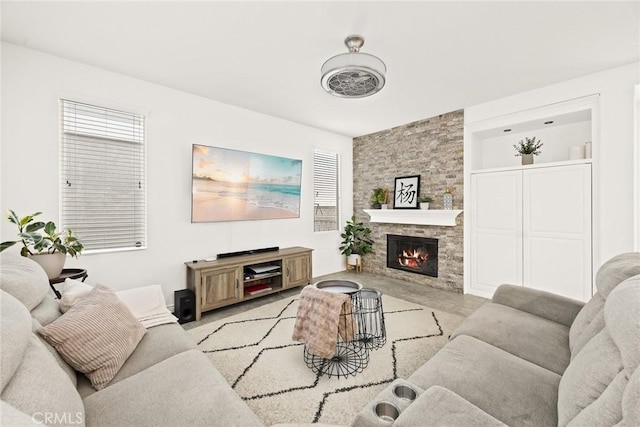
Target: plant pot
{"x":52,"y":264}
{"x":375,"y":206}
{"x":527,"y":159}
{"x":424,"y":205}
{"x":384,"y":206}
{"x":353,"y":259}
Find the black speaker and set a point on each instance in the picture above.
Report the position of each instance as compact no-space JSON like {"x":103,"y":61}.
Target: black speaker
{"x":185,"y":305}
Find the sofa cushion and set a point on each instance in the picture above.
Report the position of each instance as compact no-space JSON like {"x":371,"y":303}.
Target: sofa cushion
{"x":587,"y":377}
{"x":40,"y":388}
{"x":630,"y":399}
{"x":587,"y":324}
{"x":158,"y":344}
{"x":615,"y":271}
{"x":71,"y":373}
{"x":47,"y":311}
{"x":24,"y":279}
{"x":543,"y":304}
{"x":533,"y":338}
{"x":622,"y":316}
{"x":15,"y":330}
{"x":10,"y":416}
{"x":510,"y":389}
{"x":96,"y":336}
{"x":591,"y":390}
{"x":182,"y":390}
{"x":590,"y":320}
{"x":32,"y":381}
{"x":440,"y":407}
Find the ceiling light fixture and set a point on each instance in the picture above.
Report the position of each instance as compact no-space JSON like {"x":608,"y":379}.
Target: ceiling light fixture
{"x":353,"y":74}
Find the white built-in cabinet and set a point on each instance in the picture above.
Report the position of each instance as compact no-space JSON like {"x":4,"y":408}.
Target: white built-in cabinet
{"x":532,"y":227}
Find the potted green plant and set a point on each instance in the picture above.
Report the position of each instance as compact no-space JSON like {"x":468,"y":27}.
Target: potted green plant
{"x":379,"y":198}
{"x":43,"y":243}
{"x":528,"y":148}
{"x":355,"y":241}
{"x":424,"y":201}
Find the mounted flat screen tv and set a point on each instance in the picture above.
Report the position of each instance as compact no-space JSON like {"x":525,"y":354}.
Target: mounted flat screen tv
{"x":232,"y":185}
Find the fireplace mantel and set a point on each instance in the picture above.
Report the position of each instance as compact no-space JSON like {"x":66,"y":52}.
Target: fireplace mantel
{"x":415,"y":216}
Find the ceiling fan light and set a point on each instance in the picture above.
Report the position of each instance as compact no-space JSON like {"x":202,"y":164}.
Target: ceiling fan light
{"x":353,"y":74}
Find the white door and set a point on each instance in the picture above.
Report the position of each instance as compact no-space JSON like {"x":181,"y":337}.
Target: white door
{"x":557,"y":230}
{"x":496,"y":231}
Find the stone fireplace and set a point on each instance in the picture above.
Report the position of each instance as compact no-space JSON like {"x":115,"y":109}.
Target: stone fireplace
{"x":433,"y":149}
{"x":413,"y":254}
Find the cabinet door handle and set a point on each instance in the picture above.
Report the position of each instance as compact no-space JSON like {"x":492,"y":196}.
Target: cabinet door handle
{"x":237,"y":283}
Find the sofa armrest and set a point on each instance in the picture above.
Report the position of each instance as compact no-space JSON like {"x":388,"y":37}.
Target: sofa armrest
{"x":540,"y":303}
{"x":439,"y":406}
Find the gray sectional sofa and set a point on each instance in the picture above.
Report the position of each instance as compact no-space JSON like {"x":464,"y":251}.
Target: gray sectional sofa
{"x":165,"y":382}
{"x":527,"y":358}
{"x":531,"y":358}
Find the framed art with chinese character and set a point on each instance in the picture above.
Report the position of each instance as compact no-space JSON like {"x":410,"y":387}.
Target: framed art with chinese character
{"x":406,"y":192}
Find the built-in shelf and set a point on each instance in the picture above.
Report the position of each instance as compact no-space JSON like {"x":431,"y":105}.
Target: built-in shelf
{"x":535,"y":165}
{"x":415,"y":216}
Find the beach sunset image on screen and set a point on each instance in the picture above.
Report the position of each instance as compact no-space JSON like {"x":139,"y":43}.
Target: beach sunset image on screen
{"x":233,"y":185}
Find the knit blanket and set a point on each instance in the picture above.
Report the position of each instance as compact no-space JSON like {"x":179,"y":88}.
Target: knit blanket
{"x":322,"y":317}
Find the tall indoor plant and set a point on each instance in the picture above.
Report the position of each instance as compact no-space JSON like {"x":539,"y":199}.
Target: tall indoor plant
{"x":355,"y":241}
{"x":43,"y":243}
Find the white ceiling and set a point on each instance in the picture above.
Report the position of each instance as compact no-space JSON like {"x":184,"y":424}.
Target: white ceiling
{"x":266,"y":56}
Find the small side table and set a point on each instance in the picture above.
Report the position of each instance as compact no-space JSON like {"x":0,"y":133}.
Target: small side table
{"x":67,"y":273}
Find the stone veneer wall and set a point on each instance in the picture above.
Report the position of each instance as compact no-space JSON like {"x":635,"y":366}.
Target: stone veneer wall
{"x":433,"y":149}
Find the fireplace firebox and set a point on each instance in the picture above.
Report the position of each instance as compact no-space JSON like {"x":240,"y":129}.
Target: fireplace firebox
{"x":414,"y":254}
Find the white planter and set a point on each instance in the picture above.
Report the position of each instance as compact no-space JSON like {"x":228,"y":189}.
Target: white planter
{"x":424,"y":205}
{"x":384,"y":206}
{"x":353,"y":259}
{"x":52,"y":264}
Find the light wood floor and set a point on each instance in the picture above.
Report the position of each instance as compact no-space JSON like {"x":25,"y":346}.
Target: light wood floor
{"x":450,"y":302}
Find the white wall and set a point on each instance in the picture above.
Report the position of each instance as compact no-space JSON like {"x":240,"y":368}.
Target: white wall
{"x":613,"y":158}
{"x":33,"y":82}
{"x":498,"y":152}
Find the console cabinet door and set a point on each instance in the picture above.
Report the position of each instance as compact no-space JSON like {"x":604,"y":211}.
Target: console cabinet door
{"x":297,"y":270}
{"x":557,"y":230}
{"x":496,"y":236}
{"x":532,"y":228}
{"x":220,"y":287}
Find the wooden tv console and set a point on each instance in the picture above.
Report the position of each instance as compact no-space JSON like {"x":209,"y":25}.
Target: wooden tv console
{"x":228,"y":281}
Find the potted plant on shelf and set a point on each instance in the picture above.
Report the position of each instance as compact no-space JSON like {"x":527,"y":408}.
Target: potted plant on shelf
{"x":528,"y":148}
{"x":43,"y":243}
{"x":379,"y":198}
{"x":355,"y":241}
{"x":424,"y":202}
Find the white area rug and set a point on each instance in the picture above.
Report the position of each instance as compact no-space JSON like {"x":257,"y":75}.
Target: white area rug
{"x":256,"y":355}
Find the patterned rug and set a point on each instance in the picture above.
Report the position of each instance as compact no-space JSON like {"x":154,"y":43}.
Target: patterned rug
{"x":256,"y":355}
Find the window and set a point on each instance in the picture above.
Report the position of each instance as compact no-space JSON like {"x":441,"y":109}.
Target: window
{"x":102,"y":176}
{"x":325,"y":188}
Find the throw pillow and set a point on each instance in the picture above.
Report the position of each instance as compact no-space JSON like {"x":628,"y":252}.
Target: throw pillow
{"x":96,"y":335}
{"x":72,"y":292}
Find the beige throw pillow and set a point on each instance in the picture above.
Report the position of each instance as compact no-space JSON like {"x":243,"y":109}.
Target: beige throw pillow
{"x":96,"y":335}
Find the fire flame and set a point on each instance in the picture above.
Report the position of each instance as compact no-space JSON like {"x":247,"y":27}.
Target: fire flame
{"x":413,"y":258}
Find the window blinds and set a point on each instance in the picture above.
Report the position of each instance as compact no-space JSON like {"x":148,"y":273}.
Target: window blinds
{"x":325,"y":190}
{"x":325,"y":178}
{"x":102,"y":171}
